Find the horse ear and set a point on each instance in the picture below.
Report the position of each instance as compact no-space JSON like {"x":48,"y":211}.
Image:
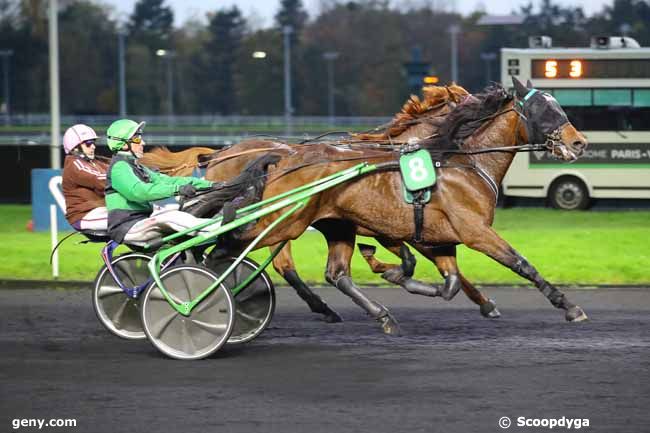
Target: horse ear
{"x":529,"y":84}
{"x":519,"y":87}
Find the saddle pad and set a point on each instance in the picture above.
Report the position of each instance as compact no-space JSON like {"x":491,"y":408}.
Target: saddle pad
{"x":417,"y":170}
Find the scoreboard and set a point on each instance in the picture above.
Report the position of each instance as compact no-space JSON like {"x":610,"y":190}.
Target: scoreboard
{"x":577,"y":67}
{"x":551,"y":68}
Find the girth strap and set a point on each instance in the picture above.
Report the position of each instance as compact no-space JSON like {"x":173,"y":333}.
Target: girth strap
{"x":418,"y":213}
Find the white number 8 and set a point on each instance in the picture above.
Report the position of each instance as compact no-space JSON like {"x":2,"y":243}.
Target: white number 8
{"x":418,"y":171}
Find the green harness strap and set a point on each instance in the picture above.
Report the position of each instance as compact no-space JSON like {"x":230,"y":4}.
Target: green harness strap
{"x":418,"y":176}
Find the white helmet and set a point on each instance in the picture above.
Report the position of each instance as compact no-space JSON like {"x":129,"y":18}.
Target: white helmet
{"x":77,"y":134}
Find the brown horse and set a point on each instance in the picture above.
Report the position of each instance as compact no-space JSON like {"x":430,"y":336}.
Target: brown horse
{"x":417,"y":119}
{"x":481,"y":135}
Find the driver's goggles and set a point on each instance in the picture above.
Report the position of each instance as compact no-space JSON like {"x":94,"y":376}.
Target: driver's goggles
{"x":137,"y":139}
{"x":89,"y":143}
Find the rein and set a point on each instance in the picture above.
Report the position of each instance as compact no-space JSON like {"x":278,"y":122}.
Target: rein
{"x":216,"y":160}
{"x":391,"y":146}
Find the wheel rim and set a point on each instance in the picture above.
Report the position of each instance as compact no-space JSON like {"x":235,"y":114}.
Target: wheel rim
{"x":569,"y":196}
{"x":116,"y":311}
{"x":195,"y":336}
{"x":254,"y":305}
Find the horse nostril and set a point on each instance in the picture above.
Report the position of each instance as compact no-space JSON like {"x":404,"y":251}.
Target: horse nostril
{"x":579,"y":144}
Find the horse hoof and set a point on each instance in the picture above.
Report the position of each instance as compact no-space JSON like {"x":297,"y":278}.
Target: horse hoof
{"x":490,"y":310}
{"x":389,"y":325}
{"x":451,"y":287}
{"x":576,"y":314}
{"x":332,"y":316}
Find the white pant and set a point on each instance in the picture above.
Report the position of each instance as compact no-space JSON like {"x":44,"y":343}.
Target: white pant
{"x":96,"y":220}
{"x":165,"y":221}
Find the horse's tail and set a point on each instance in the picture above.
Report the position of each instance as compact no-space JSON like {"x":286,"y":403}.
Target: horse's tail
{"x":180,"y":163}
{"x":242,"y":190}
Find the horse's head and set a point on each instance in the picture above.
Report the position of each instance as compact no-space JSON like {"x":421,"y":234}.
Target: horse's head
{"x":546,"y":122}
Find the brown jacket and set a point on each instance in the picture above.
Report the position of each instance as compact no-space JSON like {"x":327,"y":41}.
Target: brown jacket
{"x":83,"y":186}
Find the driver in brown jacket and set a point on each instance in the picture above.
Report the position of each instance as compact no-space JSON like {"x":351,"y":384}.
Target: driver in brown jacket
{"x":84,"y":179}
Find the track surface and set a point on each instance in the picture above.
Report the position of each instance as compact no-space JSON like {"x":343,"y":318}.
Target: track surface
{"x":453,"y":371}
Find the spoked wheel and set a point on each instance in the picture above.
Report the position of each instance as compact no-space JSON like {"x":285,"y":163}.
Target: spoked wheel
{"x":255,"y":304}
{"x":117,"y":312}
{"x":198,"y":335}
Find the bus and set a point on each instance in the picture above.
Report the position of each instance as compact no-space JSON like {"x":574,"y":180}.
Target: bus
{"x":605,"y":91}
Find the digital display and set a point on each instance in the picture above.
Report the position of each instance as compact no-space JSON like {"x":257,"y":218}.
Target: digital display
{"x":590,"y":68}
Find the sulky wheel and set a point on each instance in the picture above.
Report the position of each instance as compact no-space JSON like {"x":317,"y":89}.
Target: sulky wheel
{"x":255,"y":304}
{"x":115,"y":310}
{"x":198,"y":335}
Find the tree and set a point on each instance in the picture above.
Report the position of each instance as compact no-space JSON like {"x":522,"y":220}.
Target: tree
{"x":225,"y":33}
{"x":88,"y":59}
{"x":369,"y":68}
{"x":189,"y":43}
{"x":23,"y":29}
{"x":150,"y":29}
{"x":151,"y":24}
{"x":292,"y":13}
{"x":259,"y":82}
{"x":624,"y":16}
{"x":566,"y":25}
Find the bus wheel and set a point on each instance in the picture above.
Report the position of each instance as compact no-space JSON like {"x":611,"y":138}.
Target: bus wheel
{"x":568,"y":193}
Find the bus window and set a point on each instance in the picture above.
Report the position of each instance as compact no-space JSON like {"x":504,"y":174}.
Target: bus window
{"x":609,"y":118}
{"x":641,"y":97}
{"x":573,"y":97}
{"x":609,"y":97}
{"x":638,"y":119}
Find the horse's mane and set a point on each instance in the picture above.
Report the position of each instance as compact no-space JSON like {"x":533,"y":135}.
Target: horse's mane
{"x":469,"y":116}
{"x":175,"y":163}
{"x":414,"y":108}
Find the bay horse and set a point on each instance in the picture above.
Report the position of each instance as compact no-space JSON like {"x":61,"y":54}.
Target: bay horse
{"x":418,"y":118}
{"x":479,"y":137}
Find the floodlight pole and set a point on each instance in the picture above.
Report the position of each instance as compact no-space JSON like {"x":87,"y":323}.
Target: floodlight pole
{"x":330,"y":56}
{"x":55,"y":108}
{"x":168,"y":56}
{"x":288,"y":106}
{"x":170,"y":89}
{"x":121,"y":35}
{"x":488,"y":58}
{"x":454,"y":30}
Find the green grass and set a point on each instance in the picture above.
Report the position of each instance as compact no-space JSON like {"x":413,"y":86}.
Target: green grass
{"x":566,"y":247}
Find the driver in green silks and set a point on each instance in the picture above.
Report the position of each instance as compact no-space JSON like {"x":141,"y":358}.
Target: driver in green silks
{"x":131,"y":188}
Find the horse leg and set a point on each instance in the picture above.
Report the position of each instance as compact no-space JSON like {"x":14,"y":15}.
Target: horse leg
{"x":340,"y":236}
{"x":397,"y":274}
{"x":488,"y":242}
{"x":446,"y":263}
{"x":376,"y":266}
{"x":284,"y":265}
{"x":487,"y":306}
{"x":445,"y":260}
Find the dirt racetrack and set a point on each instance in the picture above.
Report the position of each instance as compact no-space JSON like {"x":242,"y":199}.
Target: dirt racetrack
{"x":452,"y":371}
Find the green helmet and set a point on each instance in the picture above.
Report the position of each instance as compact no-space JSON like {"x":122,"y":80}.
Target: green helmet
{"x":120,"y":132}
